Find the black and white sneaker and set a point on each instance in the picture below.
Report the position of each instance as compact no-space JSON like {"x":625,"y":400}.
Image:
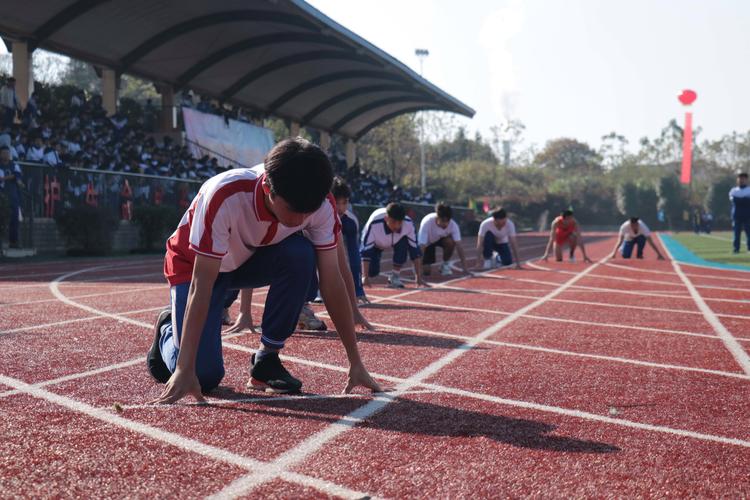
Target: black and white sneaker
{"x":269,"y":375}
{"x":154,"y":362}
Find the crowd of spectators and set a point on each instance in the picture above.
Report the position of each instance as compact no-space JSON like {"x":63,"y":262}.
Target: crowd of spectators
{"x":372,"y":188}
{"x":63,"y":127}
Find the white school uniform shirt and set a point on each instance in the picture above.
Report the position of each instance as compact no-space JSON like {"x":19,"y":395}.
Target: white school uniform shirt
{"x":377,"y":234}
{"x":430,"y":232}
{"x":626,"y":231}
{"x":228,"y":220}
{"x":501,"y":235}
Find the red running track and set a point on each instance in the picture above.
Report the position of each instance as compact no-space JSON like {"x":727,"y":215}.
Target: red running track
{"x":562,"y":379}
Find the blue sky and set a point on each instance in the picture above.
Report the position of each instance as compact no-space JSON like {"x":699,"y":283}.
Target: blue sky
{"x":574,"y":68}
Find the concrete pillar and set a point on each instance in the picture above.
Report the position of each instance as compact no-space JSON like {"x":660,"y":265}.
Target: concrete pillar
{"x":167,"y":122}
{"x":351,"y":153}
{"x":23,"y":72}
{"x":109,"y":90}
{"x":325,"y":141}
{"x":293,"y":129}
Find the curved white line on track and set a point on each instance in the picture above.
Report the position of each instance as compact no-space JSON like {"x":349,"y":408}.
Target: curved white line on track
{"x":171,"y":438}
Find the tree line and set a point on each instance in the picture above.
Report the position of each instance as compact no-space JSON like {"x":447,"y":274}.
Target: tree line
{"x":601,"y":185}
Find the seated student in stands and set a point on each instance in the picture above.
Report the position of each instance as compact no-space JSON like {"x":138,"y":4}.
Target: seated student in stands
{"x":438,"y":229}
{"x":565,"y":231}
{"x":634,"y":233}
{"x":389,"y":227}
{"x":497,"y":233}
{"x":244,"y":230}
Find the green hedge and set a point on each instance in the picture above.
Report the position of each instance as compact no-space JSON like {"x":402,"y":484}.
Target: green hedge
{"x":155,"y":224}
{"x":87,"y":230}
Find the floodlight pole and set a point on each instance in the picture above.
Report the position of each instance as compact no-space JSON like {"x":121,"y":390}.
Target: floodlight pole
{"x":421,"y":54}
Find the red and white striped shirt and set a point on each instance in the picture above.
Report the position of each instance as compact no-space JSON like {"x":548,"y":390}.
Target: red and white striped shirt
{"x":228,"y":220}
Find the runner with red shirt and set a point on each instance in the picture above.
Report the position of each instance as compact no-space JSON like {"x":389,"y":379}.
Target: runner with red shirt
{"x":249,"y":228}
{"x":565,"y":231}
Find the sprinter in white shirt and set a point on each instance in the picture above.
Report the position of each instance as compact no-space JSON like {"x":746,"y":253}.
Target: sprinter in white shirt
{"x":438,"y":229}
{"x":498,"y":234}
{"x":634,"y":233}
{"x":390,"y":227}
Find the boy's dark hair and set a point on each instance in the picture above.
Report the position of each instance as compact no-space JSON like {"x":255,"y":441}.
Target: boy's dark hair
{"x":634,"y":220}
{"x":395,"y":211}
{"x":341,"y":189}
{"x":443,"y":211}
{"x":300,"y":172}
{"x":566,"y":213}
{"x":742,"y":175}
{"x":499,"y":213}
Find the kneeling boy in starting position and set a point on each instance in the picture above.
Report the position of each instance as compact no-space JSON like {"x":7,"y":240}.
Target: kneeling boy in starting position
{"x":244,"y":230}
{"x":389,"y":227}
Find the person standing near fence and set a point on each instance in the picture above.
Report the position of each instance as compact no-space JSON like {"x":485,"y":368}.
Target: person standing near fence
{"x":740,"y":197}
{"x":11,"y":181}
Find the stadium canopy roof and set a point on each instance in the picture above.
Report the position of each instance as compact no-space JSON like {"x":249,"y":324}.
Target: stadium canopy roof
{"x":279,"y":57}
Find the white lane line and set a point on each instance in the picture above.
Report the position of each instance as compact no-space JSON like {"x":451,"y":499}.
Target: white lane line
{"x":654,"y":271}
{"x":220,"y":402}
{"x":66,"y":267}
{"x":564,"y":320}
{"x":590,"y":303}
{"x":713,"y":268}
{"x":85,"y":296}
{"x":76,"y":320}
{"x":171,"y":438}
{"x":312,"y":444}
{"x":602,"y":357}
{"x":734,"y":347}
{"x":669,"y":283}
{"x":88,"y":281}
{"x":76,"y":376}
{"x":116,"y":316}
{"x":583,"y":415}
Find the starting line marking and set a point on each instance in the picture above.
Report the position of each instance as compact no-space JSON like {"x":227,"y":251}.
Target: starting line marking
{"x":171,"y":438}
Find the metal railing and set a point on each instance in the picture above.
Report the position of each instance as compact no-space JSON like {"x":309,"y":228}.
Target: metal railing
{"x":49,"y":190}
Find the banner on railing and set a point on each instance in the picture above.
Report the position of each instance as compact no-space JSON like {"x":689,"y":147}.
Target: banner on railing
{"x":235,"y":141}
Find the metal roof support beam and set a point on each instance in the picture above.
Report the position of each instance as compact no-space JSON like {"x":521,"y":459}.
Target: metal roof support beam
{"x":378,"y":104}
{"x":206,"y":21}
{"x":63,"y":18}
{"x":389,"y":116}
{"x":253,"y":43}
{"x":291,"y":60}
{"x":331,"y":78}
{"x":337,"y":99}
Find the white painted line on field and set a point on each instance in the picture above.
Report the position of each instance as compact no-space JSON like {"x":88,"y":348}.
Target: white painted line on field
{"x":171,"y":438}
{"x":85,"y":296}
{"x":76,"y":376}
{"x":529,"y":405}
{"x":311,"y":445}
{"x":270,"y":400}
{"x":739,"y":353}
{"x":529,"y":347}
{"x":76,"y":320}
{"x":654,"y":271}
